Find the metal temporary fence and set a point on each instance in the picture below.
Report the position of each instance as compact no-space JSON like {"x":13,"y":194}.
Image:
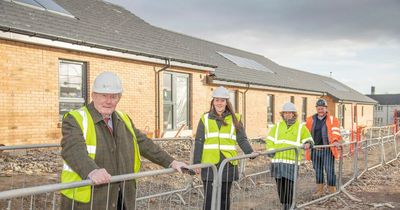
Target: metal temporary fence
{"x":179,"y":148}
{"x":389,"y":144}
{"x":250,"y":170}
{"x":354,"y":159}
{"x":29,"y":165}
{"x":319,"y":174}
{"x":47,"y":196}
{"x":182,"y":150}
{"x":261,"y":191}
{"x":254,"y":184}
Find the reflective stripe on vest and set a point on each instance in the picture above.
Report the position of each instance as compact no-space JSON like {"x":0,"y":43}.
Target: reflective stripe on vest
{"x":85,"y":122}
{"x":219,"y":140}
{"x":288,"y":156}
{"x":335,"y":130}
{"x":284,"y":141}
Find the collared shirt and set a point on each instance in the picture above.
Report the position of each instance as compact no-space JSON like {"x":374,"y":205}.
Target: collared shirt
{"x":110,"y":124}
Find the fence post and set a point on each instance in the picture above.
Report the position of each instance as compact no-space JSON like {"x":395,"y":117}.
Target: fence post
{"x":296,"y":167}
{"x":340,"y":168}
{"x":382,"y":147}
{"x":215,"y":190}
{"x":355,"y":160}
{"x":366,"y":148}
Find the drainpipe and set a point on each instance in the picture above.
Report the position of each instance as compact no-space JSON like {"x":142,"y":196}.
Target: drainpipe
{"x":157,"y":89}
{"x":352,"y":122}
{"x":354,"y":116}
{"x":244,"y":104}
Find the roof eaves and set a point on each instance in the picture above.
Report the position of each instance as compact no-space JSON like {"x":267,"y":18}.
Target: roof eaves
{"x":220,"y":81}
{"x":99,"y":46}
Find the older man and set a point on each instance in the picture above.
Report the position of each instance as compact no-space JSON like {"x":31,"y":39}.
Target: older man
{"x":324,"y":129}
{"x":99,"y":142}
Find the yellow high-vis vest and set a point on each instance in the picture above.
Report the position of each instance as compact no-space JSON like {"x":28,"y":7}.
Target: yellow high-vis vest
{"x":219,"y":140}
{"x":280,"y":136}
{"x":85,"y":121}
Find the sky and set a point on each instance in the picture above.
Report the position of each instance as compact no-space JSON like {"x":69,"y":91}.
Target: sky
{"x":356,"y":41}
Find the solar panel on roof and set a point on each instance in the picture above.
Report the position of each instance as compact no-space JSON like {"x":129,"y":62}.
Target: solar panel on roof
{"x":30,"y":2}
{"x":48,"y":5}
{"x":337,"y":86}
{"x":51,"y":5}
{"x":245,"y":62}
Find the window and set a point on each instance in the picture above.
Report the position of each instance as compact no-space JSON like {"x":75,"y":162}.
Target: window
{"x":304,"y":109}
{"x":362,"y":111}
{"x":72,"y":82}
{"x":341,"y":110}
{"x":232,"y":99}
{"x":378,"y":107}
{"x":292,"y":99}
{"x":270,"y":109}
{"x":355,"y":114}
{"x":378,"y":121}
{"x":176,"y":100}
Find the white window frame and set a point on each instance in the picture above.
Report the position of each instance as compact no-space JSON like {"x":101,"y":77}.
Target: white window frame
{"x":173,"y":102}
{"x":82,"y":99}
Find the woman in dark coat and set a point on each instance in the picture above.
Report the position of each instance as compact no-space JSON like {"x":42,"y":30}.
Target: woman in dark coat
{"x":218,"y":133}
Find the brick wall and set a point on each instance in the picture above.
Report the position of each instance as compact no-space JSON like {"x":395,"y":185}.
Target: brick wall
{"x":29,"y":100}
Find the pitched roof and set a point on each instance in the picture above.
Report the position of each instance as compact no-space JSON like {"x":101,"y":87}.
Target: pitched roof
{"x":105,"y":25}
{"x":386,"y":99}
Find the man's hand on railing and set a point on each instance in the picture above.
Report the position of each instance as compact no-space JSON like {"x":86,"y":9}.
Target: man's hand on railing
{"x":307,"y":145}
{"x":99,"y":176}
{"x":177,"y":165}
{"x":336,"y":144}
{"x":254,"y":153}
{"x":197,"y":170}
{"x":271,"y":155}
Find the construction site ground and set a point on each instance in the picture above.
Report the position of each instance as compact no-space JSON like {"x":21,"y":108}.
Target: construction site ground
{"x":376,"y":189}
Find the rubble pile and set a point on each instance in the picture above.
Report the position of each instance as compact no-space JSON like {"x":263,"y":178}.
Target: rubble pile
{"x":30,"y":162}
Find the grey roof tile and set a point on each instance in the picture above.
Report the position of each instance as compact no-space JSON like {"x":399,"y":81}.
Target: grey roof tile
{"x":386,"y":99}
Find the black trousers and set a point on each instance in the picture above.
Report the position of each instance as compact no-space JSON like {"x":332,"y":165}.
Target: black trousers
{"x":120,"y":205}
{"x":285,"y":190}
{"x":225,"y":195}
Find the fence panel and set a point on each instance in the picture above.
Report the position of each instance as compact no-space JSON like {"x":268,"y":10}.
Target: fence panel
{"x":389,"y":144}
{"x":397,"y":140}
{"x":29,"y":165}
{"x":258,"y":189}
{"x":48,"y":197}
{"x":318,"y":177}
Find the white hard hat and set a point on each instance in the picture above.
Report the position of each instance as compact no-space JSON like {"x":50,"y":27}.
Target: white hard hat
{"x":289,"y":107}
{"x":221,"y":92}
{"x":107,"y":82}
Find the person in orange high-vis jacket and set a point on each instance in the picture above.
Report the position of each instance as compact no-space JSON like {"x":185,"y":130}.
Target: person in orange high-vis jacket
{"x":324,"y":129}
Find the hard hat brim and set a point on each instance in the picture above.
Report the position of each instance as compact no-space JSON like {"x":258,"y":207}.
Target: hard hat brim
{"x":224,"y":97}
{"x":108,"y":91}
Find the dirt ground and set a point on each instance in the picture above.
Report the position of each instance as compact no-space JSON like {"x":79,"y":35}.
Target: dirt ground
{"x":376,"y":189}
